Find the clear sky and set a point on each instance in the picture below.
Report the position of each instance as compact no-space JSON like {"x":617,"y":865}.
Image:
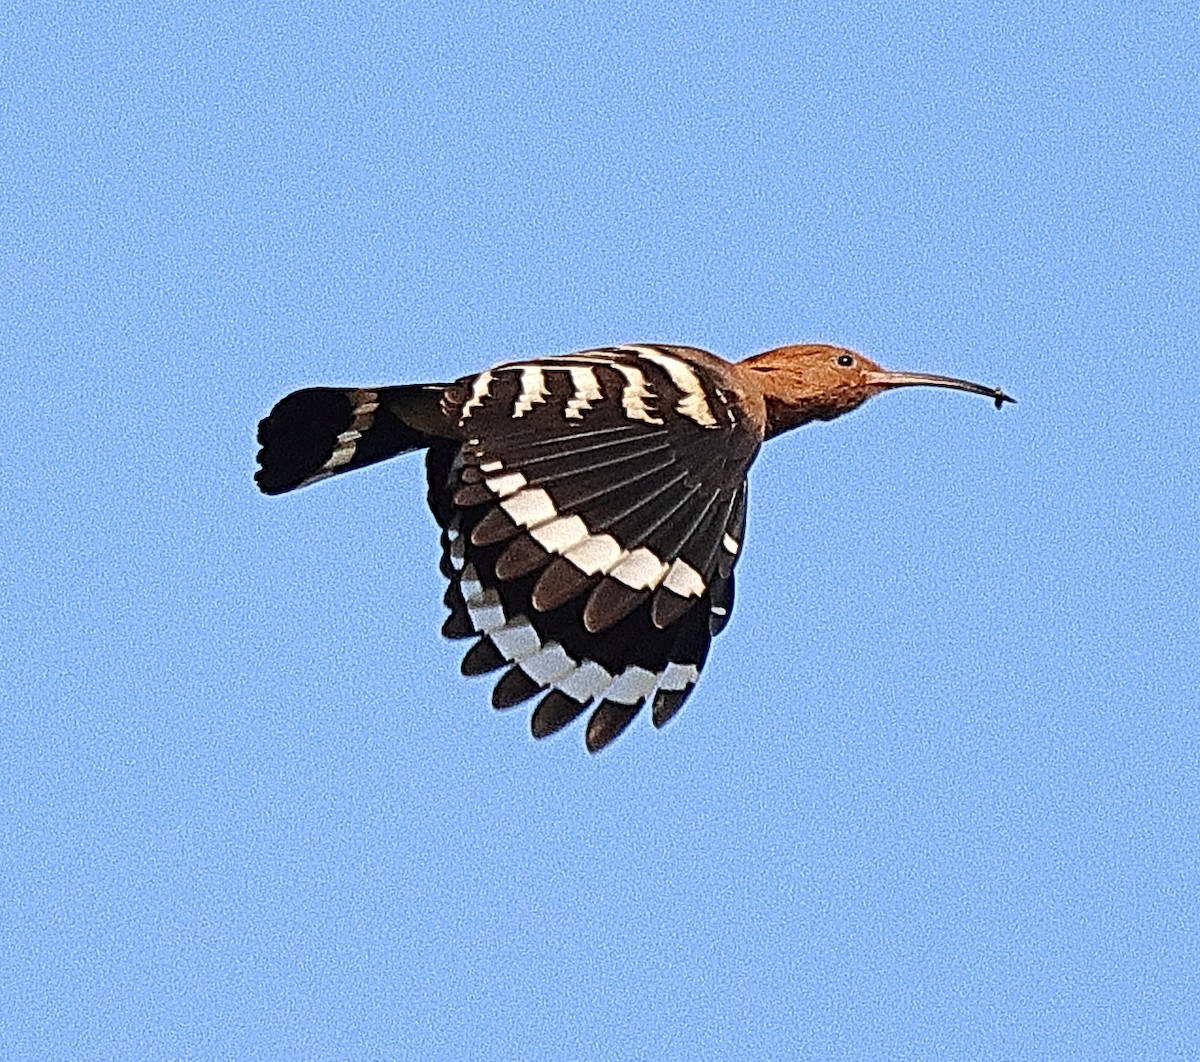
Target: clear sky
{"x":936,"y":795}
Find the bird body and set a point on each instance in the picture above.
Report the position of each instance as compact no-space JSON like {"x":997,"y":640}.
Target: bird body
{"x":592,"y":505}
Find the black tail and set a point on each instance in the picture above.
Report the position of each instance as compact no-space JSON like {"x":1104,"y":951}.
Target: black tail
{"x":321,"y":431}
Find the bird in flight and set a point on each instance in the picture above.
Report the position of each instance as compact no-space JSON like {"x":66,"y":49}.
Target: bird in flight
{"x":592,"y":505}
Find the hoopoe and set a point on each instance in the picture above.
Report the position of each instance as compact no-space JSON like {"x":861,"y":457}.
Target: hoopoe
{"x":592,"y":505}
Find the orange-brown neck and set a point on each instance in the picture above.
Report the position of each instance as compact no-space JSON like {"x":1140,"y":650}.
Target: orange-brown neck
{"x":804,"y":383}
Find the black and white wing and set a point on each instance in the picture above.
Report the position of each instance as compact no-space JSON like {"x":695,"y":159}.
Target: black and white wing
{"x":592,"y":514}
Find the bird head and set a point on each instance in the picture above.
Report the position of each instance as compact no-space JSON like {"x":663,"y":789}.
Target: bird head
{"x":814,"y":381}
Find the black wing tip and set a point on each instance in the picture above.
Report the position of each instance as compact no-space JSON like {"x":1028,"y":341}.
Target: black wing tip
{"x":608,"y":722}
{"x":667,"y":704}
{"x":515,"y":687}
{"x":554,"y":712}
{"x":482,"y":657}
{"x":458,"y":625}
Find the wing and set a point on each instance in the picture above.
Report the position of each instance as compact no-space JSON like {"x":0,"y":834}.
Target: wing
{"x":592,"y":515}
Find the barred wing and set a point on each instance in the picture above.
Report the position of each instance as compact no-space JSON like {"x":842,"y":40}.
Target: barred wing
{"x":592,"y":516}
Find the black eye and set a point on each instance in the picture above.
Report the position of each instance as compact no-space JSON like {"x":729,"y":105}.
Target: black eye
{"x":845,"y":361}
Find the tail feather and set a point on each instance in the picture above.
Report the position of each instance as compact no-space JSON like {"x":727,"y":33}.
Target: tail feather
{"x":321,"y":431}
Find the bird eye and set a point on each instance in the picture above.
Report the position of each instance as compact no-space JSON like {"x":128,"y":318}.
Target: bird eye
{"x":845,"y":361}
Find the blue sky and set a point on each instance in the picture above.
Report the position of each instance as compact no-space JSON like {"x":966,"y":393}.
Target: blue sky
{"x":936,"y":795}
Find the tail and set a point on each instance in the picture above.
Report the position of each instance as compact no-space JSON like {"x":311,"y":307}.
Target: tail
{"x":321,"y":431}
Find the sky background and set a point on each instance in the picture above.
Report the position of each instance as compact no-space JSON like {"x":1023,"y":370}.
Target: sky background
{"x":938,"y":792}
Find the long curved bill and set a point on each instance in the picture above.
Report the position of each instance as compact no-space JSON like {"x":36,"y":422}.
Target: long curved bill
{"x":883,"y":378}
